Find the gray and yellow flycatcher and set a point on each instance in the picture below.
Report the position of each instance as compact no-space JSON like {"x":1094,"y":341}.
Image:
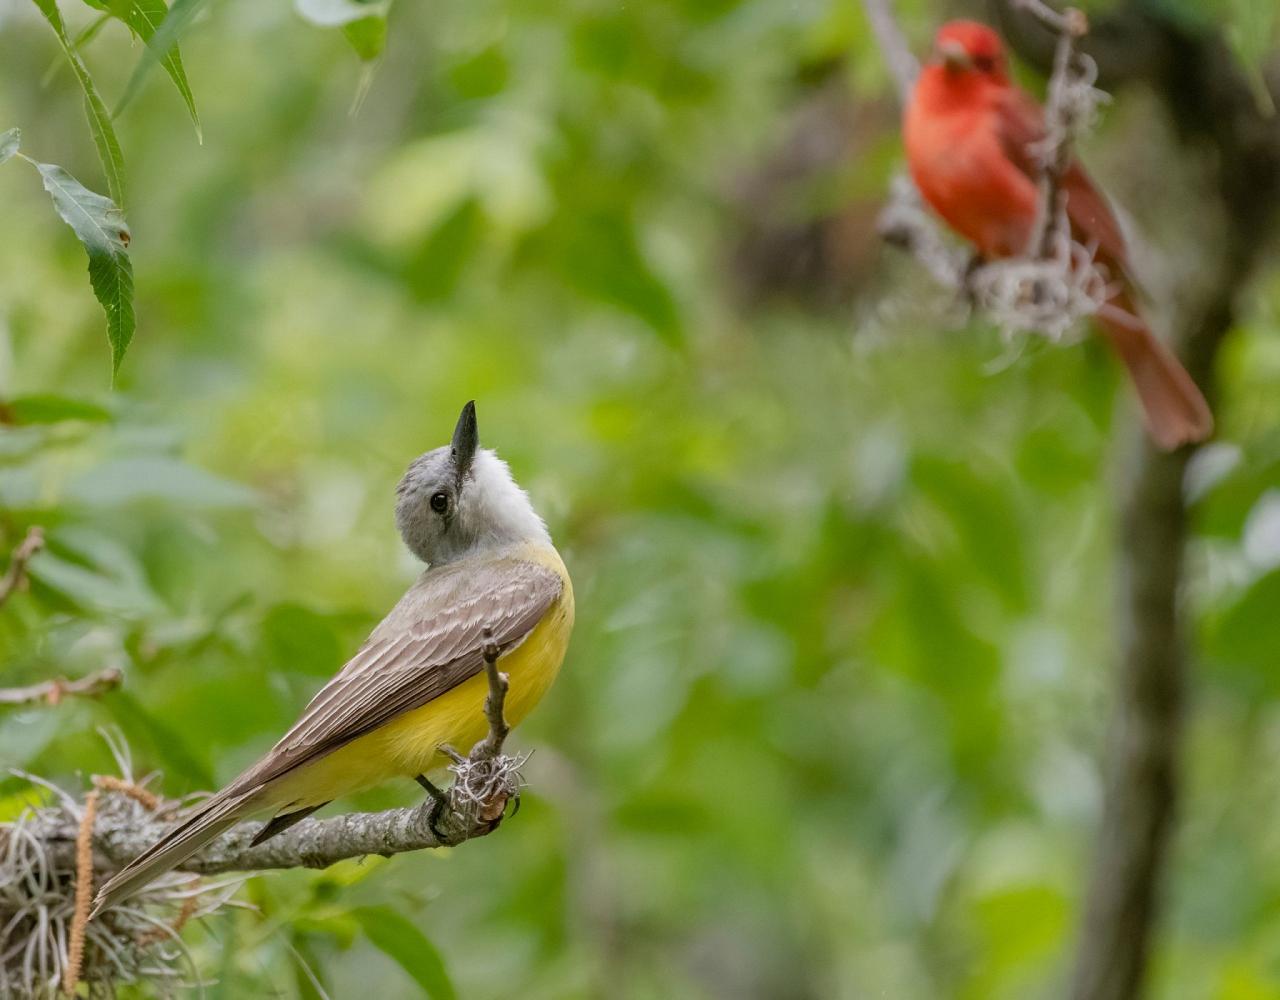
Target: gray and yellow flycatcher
{"x":418,"y":681}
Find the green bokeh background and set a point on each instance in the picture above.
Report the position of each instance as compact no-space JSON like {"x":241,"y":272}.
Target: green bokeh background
{"x":832,"y":718}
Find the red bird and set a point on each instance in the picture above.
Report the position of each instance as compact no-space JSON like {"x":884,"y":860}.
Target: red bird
{"x":970,"y":140}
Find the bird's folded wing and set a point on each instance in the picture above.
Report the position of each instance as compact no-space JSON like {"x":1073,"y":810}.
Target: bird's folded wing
{"x":432,"y":642}
{"x":1020,"y":127}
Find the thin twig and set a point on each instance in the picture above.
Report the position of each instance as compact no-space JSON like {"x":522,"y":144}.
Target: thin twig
{"x":893,"y":46}
{"x":52,"y":692}
{"x":15,"y":577}
{"x":494,"y":703}
{"x":1062,"y":22}
{"x":1062,"y":119}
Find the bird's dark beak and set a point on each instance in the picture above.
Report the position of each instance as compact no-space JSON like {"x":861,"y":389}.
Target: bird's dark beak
{"x":466,"y":439}
{"x":954,"y":56}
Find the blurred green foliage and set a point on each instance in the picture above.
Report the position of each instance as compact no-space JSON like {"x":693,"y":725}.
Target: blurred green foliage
{"x":831,"y":720}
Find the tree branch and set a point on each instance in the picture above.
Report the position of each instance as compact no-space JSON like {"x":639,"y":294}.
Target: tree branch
{"x":1062,"y":117}
{"x":52,"y":692}
{"x":48,"y":846}
{"x":893,"y":46}
{"x":15,"y":577}
{"x":484,"y":782}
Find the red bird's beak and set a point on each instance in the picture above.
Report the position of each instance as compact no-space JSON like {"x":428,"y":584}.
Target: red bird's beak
{"x":953,"y":55}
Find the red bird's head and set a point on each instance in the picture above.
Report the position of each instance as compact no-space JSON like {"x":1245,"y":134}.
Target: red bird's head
{"x":967,"y":47}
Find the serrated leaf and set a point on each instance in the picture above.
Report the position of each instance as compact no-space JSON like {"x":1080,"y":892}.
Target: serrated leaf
{"x":400,"y":940}
{"x":9,"y":141}
{"x":164,"y":39}
{"x":102,"y":229}
{"x":100,"y":126}
{"x":143,"y":18}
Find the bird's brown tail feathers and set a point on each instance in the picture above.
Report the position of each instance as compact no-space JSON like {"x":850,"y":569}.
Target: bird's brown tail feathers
{"x":1175,"y":410}
{"x":211,"y":818}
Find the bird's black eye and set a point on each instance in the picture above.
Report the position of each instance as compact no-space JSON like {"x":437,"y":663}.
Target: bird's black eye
{"x":440,"y":502}
{"x":984,"y":64}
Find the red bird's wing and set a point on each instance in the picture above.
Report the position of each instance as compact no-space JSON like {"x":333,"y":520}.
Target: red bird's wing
{"x":1020,"y":126}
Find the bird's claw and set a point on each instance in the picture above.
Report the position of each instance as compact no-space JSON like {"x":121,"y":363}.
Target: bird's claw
{"x":439,"y":806}
{"x":438,"y":809}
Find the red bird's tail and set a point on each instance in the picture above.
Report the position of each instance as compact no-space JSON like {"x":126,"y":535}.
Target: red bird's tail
{"x":1175,"y":410}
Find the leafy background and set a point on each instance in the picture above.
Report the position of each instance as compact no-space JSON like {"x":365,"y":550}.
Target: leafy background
{"x":832,"y":718}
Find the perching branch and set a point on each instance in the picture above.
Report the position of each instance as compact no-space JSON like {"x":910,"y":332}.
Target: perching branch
{"x":1063,"y":113}
{"x":484,"y":782}
{"x":15,"y":577}
{"x":130,"y":818}
{"x":52,"y":692}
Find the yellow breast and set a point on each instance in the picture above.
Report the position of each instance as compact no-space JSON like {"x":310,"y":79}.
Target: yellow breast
{"x":408,"y":745}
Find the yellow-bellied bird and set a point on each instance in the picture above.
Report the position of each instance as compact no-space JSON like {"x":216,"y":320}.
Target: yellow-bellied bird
{"x":419,"y":680}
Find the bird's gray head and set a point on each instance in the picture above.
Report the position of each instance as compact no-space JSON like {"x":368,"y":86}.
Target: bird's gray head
{"x":461,"y":498}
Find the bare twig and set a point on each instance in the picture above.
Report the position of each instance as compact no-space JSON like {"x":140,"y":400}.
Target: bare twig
{"x":52,"y":692}
{"x":893,"y":45}
{"x":904,"y":222}
{"x":1070,"y":106}
{"x":494,"y":702}
{"x":1066,"y":22}
{"x":486,"y":780}
{"x":15,"y":577}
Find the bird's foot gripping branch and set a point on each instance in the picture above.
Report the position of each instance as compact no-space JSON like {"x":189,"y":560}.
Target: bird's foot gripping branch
{"x":49,"y":854}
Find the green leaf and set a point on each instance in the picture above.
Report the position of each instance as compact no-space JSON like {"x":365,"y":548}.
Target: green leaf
{"x":163,"y":40}
{"x":102,"y":229}
{"x":1243,"y":636}
{"x":50,"y":409}
{"x":363,"y":23}
{"x":9,"y":143}
{"x":396,"y":937}
{"x":603,"y":259}
{"x":143,"y":18}
{"x":367,"y":36}
{"x":104,"y":133}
